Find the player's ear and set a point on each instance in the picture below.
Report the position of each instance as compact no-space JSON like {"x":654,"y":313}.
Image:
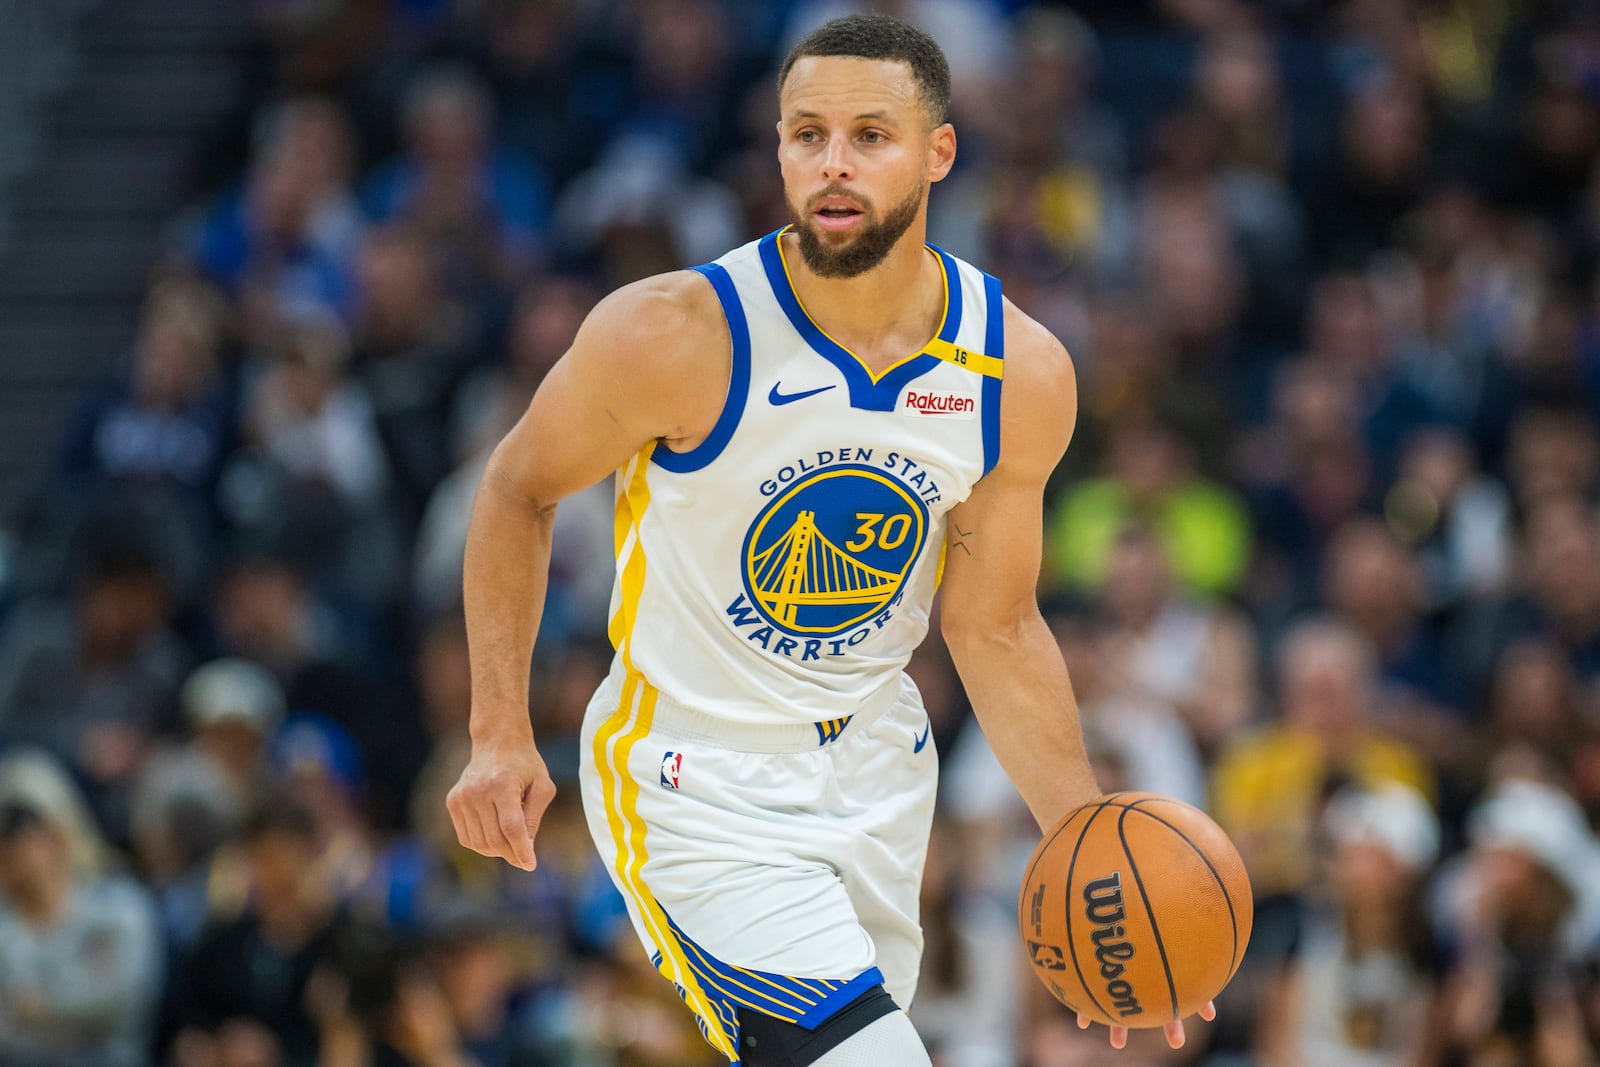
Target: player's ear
{"x":941,"y":151}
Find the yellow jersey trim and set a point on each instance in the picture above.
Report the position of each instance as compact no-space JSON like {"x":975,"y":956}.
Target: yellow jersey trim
{"x":875,"y":376}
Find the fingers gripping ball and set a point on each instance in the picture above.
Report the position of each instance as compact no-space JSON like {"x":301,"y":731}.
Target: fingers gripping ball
{"x":1135,"y":910}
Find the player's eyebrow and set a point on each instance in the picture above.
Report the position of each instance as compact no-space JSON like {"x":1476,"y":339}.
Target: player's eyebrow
{"x":865,"y":116}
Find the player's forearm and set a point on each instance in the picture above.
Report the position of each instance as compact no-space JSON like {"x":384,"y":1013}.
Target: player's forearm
{"x":506,"y":572}
{"x":1019,"y":689}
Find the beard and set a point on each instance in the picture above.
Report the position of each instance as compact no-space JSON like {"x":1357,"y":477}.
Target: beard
{"x":869,"y":246}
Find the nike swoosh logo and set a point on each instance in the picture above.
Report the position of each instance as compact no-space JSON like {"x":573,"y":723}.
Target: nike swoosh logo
{"x":778,"y":399}
{"x":923,"y":740}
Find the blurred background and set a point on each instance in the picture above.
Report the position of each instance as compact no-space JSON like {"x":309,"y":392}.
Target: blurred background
{"x":1324,"y":556}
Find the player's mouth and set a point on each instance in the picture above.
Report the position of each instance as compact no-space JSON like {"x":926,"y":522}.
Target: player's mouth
{"x":836,"y":215}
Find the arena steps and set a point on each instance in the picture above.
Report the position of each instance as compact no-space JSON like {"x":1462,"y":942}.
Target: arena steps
{"x":111,"y":164}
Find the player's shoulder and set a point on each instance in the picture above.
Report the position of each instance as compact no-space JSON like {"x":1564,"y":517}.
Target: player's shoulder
{"x":673,"y":318}
{"x":1038,"y":370}
{"x":661,"y":308}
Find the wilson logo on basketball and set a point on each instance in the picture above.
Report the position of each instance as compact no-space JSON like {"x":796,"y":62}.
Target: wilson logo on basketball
{"x":939,"y":403}
{"x":1104,"y":909}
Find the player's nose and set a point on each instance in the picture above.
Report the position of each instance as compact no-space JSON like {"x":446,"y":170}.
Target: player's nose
{"x":836,"y":161}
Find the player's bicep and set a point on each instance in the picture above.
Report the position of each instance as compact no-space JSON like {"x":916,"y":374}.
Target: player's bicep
{"x":993,"y":545}
{"x":995,"y":537}
{"x":568,"y":438}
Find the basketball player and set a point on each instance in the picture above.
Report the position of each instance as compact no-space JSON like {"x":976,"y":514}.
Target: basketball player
{"x":811,"y":435}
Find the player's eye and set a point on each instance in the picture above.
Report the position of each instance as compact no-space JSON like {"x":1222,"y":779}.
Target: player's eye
{"x":873,"y":136}
{"x":807,"y":136}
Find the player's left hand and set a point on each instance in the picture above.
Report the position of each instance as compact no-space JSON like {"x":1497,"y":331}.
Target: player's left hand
{"x":1173,"y":1030}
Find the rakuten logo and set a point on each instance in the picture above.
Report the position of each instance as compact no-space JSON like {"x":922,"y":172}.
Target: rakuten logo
{"x":939,"y":403}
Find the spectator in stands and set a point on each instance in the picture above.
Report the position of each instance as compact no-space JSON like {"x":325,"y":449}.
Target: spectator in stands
{"x":1553,"y":452}
{"x":1442,"y":317}
{"x":1190,"y":265}
{"x":1127,"y":377}
{"x":232,"y":707}
{"x":243,"y":990}
{"x":1519,"y":909}
{"x":1236,"y":80}
{"x":640,"y":210}
{"x":287,"y":234}
{"x":164,"y":424}
{"x":1366,"y":979}
{"x":1458,"y":517}
{"x":1549,"y":161}
{"x":152,"y":439}
{"x":265,"y":610}
{"x":1349,"y":337}
{"x":319,"y":767}
{"x":315,"y":471}
{"x":481,"y":207}
{"x":476,"y":974}
{"x":557,"y":104}
{"x":1172,"y":655}
{"x":1379,"y":174}
{"x":90,"y":678}
{"x":80,"y":947}
{"x":408,"y":352}
{"x":1373,"y":583}
{"x":311,"y":421}
{"x":682,"y":70}
{"x":190,"y":799}
{"x":1268,"y":790}
{"x":1535,"y":706}
{"x":1269,"y":787}
{"x":1306,"y":472}
{"x":1561,"y":557}
{"x":382,"y":1002}
{"x":1150,"y":476}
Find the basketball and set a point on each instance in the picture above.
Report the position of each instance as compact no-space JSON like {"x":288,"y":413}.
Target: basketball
{"x":1135,"y":910}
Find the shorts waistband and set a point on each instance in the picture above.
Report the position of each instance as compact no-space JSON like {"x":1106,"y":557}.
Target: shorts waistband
{"x":691,"y":724}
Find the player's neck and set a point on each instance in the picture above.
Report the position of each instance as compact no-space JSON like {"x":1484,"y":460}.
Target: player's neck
{"x":884,"y":314}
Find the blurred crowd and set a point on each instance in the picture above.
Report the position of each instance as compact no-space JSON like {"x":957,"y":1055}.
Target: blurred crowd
{"x":1324,"y":556}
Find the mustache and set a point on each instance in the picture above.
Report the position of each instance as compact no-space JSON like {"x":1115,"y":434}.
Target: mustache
{"x":839,"y":190}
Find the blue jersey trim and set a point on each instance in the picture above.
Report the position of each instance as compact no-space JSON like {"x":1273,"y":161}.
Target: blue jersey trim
{"x":738,"y":382}
{"x":952,"y":274}
{"x":806,"y":1002}
{"x":839,"y":997}
{"x":869,"y":395}
{"x":994,"y":344}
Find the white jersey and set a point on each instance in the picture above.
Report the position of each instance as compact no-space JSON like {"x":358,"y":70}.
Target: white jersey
{"x":781,"y":572}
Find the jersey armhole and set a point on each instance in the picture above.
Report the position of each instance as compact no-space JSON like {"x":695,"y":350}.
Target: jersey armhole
{"x":994,"y":344}
{"x":738,"y":381}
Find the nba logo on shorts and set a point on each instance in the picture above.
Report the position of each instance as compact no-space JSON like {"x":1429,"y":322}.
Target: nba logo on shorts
{"x":671,"y":767}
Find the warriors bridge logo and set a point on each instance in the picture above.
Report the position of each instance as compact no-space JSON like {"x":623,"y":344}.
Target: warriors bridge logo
{"x":833,"y":550}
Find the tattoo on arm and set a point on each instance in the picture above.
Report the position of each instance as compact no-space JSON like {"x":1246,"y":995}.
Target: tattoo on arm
{"x":961,"y":536}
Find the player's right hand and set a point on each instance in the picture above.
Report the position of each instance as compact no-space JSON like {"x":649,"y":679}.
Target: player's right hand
{"x":499,"y":800}
{"x":1173,"y":1030}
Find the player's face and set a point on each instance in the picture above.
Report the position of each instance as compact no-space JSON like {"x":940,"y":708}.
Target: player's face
{"x":857,"y":152}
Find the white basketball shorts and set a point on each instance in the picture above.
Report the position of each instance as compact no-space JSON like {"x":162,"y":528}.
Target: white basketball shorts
{"x":770,"y":869}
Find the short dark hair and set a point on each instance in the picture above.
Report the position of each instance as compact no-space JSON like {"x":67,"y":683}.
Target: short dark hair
{"x":882,"y":37}
{"x":18,"y":818}
{"x":277,"y":816}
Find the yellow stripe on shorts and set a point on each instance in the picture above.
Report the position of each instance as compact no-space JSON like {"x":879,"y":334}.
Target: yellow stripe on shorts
{"x":613,"y":746}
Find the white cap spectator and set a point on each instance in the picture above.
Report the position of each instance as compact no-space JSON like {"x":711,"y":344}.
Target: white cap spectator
{"x":1543,"y":823}
{"x":1392,"y":816}
{"x":233,"y":690}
